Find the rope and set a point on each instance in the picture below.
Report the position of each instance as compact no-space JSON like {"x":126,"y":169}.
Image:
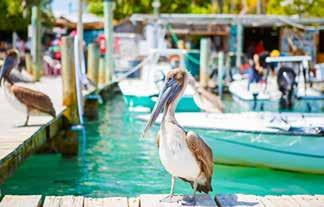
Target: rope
{"x":176,"y":40}
{"x":137,"y":67}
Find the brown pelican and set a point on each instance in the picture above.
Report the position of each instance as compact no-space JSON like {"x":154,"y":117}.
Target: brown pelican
{"x":183,"y":154}
{"x":31,"y":102}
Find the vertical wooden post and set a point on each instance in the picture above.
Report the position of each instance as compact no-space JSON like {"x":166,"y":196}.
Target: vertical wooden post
{"x":220,"y":73}
{"x":204,"y":53}
{"x":239,"y":43}
{"x":108,"y":16}
{"x":93,"y":62}
{"x":69,"y":83}
{"x":156,"y":7}
{"x":14,"y":40}
{"x":29,"y":63}
{"x":156,"y":12}
{"x":80,"y":23}
{"x":101,"y":72}
{"x":36,"y":41}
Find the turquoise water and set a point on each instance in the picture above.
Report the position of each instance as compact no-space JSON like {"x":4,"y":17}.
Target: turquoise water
{"x":116,"y":161}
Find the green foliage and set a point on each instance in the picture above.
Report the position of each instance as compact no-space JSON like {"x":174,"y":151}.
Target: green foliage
{"x":310,"y":8}
{"x":125,"y":8}
{"x":15,"y":14}
{"x":11,"y":15}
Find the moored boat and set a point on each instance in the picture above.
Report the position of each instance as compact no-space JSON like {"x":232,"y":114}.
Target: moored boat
{"x":260,"y":139}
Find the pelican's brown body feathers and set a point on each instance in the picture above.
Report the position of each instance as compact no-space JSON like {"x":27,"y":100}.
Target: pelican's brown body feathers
{"x":204,"y":157}
{"x":35,"y":101}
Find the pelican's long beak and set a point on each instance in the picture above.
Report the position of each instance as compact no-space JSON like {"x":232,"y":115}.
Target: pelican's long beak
{"x":3,"y":71}
{"x":8,"y":64}
{"x":170,"y":89}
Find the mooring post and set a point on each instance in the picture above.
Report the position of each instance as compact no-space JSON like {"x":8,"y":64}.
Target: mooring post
{"x":204,"y":53}
{"x":14,"y":39}
{"x":108,"y":18}
{"x":29,"y":63}
{"x":220,"y":73}
{"x":69,"y":83}
{"x":36,"y":41}
{"x":102,"y":72}
{"x":239,"y":43}
{"x":93,"y":63}
{"x":69,"y":96}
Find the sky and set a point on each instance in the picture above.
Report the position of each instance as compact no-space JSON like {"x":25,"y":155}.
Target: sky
{"x":62,"y":6}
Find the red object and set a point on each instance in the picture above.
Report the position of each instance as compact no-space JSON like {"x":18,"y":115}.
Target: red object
{"x":101,"y":42}
{"x":244,"y":68}
{"x":259,"y":48}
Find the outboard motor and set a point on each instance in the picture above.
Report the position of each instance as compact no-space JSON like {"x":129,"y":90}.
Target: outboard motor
{"x":286,"y":81}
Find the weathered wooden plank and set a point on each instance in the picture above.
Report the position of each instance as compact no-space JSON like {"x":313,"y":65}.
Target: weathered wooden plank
{"x":150,"y":200}
{"x":93,"y":202}
{"x":21,"y":201}
{"x":235,"y":200}
{"x":320,"y":198}
{"x":278,"y":201}
{"x":63,"y":201}
{"x":71,"y":201}
{"x":134,"y":202}
{"x":52,"y":201}
{"x":115,"y":201}
{"x":307,"y":200}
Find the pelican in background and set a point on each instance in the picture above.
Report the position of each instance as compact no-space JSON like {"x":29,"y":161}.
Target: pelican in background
{"x":183,"y":154}
{"x":31,"y":102}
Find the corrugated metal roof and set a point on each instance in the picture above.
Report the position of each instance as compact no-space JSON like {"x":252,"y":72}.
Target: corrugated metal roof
{"x":247,"y":20}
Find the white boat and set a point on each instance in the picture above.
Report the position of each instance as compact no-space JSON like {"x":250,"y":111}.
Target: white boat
{"x":260,"y":94}
{"x":253,"y":122}
{"x":262,"y":142}
{"x":142,"y":95}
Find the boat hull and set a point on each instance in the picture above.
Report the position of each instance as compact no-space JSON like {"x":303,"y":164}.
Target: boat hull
{"x":239,"y":153}
{"x":185,"y":104}
{"x":261,"y":139}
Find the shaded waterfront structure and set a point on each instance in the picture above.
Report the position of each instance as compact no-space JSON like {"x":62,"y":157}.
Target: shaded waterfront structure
{"x":235,"y":32}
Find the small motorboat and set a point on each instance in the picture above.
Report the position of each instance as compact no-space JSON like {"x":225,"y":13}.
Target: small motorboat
{"x":140,"y":95}
{"x":258,"y":139}
{"x":254,"y":122}
{"x":260,"y":96}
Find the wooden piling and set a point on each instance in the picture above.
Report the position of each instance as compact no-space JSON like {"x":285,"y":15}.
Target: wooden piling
{"x":91,"y":108}
{"x":69,"y":83}
{"x":239,"y":43}
{"x":220,"y":73}
{"x":108,"y":31}
{"x":204,"y":54}
{"x":29,"y":63}
{"x":93,"y":62}
{"x":102,"y":72}
{"x":36,"y":42}
{"x":69,"y":143}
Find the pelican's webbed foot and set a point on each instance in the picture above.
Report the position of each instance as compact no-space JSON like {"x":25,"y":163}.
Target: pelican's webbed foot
{"x":168,"y":199}
{"x":188,"y":201}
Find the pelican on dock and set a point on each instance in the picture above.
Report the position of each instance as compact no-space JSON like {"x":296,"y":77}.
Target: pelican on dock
{"x":183,"y":154}
{"x":31,"y":102}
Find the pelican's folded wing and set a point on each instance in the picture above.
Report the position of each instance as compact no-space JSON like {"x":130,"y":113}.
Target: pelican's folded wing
{"x":204,"y":156}
{"x":34,"y":99}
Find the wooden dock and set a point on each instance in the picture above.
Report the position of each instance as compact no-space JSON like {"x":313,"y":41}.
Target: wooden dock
{"x":241,"y":200}
{"x":17,"y":142}
{"x":150,"y":200}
